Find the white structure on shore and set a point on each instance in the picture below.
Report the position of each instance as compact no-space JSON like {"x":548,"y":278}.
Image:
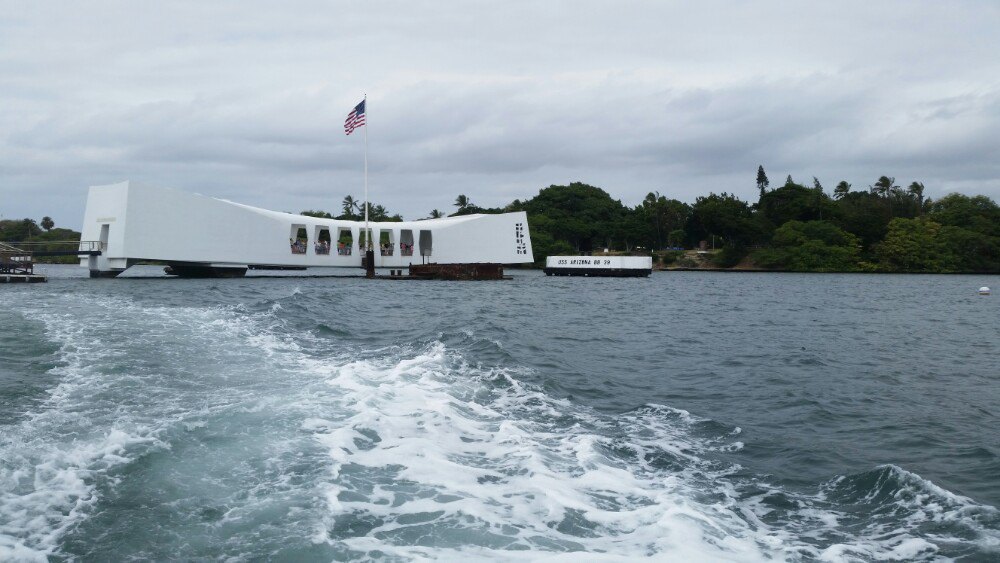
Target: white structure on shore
{"x":599,"y":266}
{"x":199,"y":235}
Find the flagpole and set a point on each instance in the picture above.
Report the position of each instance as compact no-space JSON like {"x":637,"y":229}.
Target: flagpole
{"x":368,"y":233}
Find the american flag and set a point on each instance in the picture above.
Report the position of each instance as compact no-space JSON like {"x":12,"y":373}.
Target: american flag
{"x":355,"y":119}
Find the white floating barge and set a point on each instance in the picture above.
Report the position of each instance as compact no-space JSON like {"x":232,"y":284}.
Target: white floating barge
{"x":201,"y":236}
{"x":599,"y":266}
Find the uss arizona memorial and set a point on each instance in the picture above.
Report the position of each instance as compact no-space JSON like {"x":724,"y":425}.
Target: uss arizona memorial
{"x":198,"y":235}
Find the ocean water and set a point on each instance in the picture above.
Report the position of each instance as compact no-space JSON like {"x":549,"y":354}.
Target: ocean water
{"x":687,"y":416}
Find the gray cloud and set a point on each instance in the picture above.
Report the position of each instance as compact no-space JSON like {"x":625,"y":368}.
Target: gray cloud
{"x":246,"y":100}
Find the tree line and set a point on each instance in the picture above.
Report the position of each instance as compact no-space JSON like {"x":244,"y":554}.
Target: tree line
{"x":794,"y":227}
{"x":882,"y":228}
{"x":353,"y":209}
{"x":43,"y":231}
{"x":17,"y":230}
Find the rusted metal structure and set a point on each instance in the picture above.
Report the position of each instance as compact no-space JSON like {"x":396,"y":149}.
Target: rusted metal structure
{"x":463,"y":272}
{"x":14,"y":260}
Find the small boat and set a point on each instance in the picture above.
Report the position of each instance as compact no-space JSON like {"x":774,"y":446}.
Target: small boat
{"x":599,"y":266}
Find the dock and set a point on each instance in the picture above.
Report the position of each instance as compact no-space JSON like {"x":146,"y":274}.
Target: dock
{"x":17,"y":259}
{"x":17,"y":266}
{"x":22,"y":278}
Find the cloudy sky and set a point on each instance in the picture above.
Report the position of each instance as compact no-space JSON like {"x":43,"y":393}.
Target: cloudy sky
{"x":246,"y":100}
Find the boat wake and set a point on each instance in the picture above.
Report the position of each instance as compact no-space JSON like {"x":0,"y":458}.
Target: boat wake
{"x":221,"y":432}
{"x":432,"y":455}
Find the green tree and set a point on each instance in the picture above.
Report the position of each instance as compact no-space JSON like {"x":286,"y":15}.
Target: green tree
{"x":977,"y":213}
{"x":48,"y":223}
{"x":632,"y":228}
{"x":379,"y":213}
{"x":543,"y":244}
{"x":26,"y":229}
{"x":472,"y":209}
{"x":842,"y":189}
{"x":462,"y":202}
{"x":724,"y":215}
{"x":795,"y":202}
{"x":916,"y":190}
{"x":663,"y":215}
{"x":864,"y":214}
{"x":676,"y":238}
{"x":435,"y":214}
{"x":580,"y":215}
{"x":971,"y":251}
{"x":884,"y":186}
{"x":811,"y":246}
{"x":349,"y":206}
{"x":762,"y":181}
{"x":317,"y":213}
{"x":14,"y":230}
{"x":897,"y":201}
{"x":913,"y":245}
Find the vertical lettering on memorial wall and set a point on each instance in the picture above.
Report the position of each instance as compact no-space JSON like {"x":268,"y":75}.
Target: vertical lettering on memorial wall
{"x":520,"y":245}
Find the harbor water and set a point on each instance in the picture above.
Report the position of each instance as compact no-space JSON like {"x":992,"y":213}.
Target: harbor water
{"x":686,"y":416}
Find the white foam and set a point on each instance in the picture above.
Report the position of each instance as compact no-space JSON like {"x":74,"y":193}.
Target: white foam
{"x":54,"y":461}
{"x":480,"y":450}
{"x":507,"y":474}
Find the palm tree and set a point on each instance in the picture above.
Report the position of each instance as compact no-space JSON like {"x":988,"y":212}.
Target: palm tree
{"x":48,"y":223}
{"x":842,"y":189}
{"x":885,"y":186}
{"x":349,"y":205}
{"x":462,"y":202}
{"x":916,"y":190}
{"x":435,"y":214}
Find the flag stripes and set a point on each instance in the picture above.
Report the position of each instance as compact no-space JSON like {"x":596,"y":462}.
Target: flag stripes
{"x":355,"y":119}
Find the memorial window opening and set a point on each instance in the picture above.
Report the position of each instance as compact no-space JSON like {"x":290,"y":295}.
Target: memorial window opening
{"x":406,"y":242}
{"x":345,"y":242}
{"x":385,"y":244}
{"x":298,"y":239}
{"x":322,"y":246}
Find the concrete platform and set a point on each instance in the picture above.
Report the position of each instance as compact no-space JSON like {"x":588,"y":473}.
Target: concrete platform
{"x":22,"y":278}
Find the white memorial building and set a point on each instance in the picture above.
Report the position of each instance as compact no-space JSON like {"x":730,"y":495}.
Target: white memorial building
{"x":199,"y":235}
